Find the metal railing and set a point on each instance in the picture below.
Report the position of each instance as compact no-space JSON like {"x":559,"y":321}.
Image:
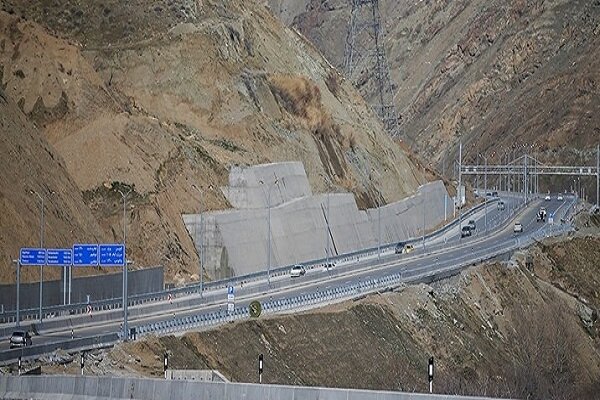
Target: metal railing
{"x":116,"y":303}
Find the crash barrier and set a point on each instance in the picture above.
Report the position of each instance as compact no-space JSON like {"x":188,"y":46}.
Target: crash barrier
{"x":115,"y":388}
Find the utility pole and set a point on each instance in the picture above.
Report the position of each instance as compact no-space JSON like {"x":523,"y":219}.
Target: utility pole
{"x":18,"y":322}
{"x":598,"y":177}
{"x":125,"y":297}
{"x":459,"y":194}
{"x":41,"y":247}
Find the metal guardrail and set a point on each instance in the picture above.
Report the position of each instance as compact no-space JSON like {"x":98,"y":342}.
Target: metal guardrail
{"x":318,"y":298}
{"x":322,"y":297}
{"x":115,"y":303}
{"x":87,"y":343}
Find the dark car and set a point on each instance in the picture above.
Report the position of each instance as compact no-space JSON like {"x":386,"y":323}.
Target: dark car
{"x":465,"y":231}
{"x":20,"y":339}
{"x":472,"y":224}
{"x":399,"y":248}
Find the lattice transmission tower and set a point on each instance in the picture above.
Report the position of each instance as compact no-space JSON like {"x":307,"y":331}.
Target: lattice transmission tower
{"x":365,"y":59}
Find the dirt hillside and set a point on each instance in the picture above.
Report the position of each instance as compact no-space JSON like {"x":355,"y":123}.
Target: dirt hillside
{"x":498,"y":75}
{"x":154,"y":97}
{"x":500,"y":329}
{"x":28,"y":163}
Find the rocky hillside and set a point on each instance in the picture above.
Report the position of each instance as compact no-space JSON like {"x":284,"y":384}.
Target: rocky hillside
{"x":30,"y":165}
{"x":498,"y":75}
{"x":155,"y":97}
{"x":501,"y":329}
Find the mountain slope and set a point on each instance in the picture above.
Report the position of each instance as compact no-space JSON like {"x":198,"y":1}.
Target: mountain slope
{"x":158,"y":96}
{"x":498,"y":75}
{"x":29,"y":164}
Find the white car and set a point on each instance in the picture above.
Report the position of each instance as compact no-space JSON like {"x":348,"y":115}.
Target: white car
{"x":548,"y":198}
{"x":560,"y":198}
{"x":297,"y":271}
{"x":518,"y":227}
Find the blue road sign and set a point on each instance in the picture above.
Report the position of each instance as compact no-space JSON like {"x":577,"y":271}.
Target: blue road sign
{"x":32,"y":256}
{"x":59,"y":257}
{"x":230,"y":290}
{"x":85,"y":255}
{"x":112,"y":255}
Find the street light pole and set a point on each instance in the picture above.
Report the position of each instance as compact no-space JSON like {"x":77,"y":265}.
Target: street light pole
{"x":485,"y":160}
{"x":201,"y":242}
{"x":269,"y":229}
{"x":18,"y":322}
{"x":41,"y":246}
{"x":125,"y":286}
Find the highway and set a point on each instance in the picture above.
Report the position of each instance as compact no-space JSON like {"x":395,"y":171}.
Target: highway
{"x":440,"y":253}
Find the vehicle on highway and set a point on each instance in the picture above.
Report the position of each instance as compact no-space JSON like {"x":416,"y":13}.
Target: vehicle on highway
{"x":541,"y":215}
{"x":20,"y":339}
{"x":328,"y":266}
{"x":472,"y":224}
{"x":518,"y":227}
{"x":494,"y":194}
{"x":408,"y":248}
{"x":560,"y":197}
{"x":399,"y":248}
{"x":547,"y":198}
{"x":501,"y":205}
{"x":465,"y":231}
{"x":297,"y":271}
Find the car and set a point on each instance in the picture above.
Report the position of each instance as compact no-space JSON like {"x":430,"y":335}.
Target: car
{"x":472,"y":224}
{"x":465,"y":231}
{"x":547,"y":198}
{"x":297,"y":271}
{"x":494,"y":194}
{"x":20,"y":339}
{"x":560,"y":197}
{"x":408,"y":248}
{"x":328,"y":266}
{"x":518,"y":227}
{"x":541,"y":215}
{"x":501,"y":205}
{"x":399,"y":248}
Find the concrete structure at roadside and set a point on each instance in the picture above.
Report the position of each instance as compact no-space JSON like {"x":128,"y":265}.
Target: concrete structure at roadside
{"x":116,"y":388}
{"x":199,"y":375}
{"x":235,"y":241}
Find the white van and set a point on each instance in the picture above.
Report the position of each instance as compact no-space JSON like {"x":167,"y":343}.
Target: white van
{"x":297,"y":271}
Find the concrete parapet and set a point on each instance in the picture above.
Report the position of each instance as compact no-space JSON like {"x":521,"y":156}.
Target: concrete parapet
{"x":235,"y":242}
{"x":115,"y":388}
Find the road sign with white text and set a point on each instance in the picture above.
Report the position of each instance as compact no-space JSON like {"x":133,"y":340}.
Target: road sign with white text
{"x":112,"y":255}
{"x":59,"y":257}
{"x":85,"y":255}
{"x":32,"y":256}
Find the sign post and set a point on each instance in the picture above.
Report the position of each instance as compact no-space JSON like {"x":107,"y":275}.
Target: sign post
{"x":165,"y":364}
{"x":34,"y":257}
{"x":430,"y":374}
{"x":230,"y":299}
{"x":260,"y":367}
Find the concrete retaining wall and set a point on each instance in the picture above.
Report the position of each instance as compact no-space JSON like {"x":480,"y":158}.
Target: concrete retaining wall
{"x":103,"y":388}
{"x":99,"y":287}
{"x":235,"y":241}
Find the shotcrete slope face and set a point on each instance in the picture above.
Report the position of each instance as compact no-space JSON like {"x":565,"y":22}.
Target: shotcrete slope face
{"x":235,"y":242}
{"x":142,"y":96}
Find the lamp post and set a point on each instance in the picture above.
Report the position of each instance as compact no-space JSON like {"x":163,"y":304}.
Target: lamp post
{"x":270,"y":187}
{"x":41,"y":246}
{"x":125,"y":300}
{"x":327,"y":227}
{"x":485,"y":160}
{"x":201,"y":241}
{"x":18,"y":322}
